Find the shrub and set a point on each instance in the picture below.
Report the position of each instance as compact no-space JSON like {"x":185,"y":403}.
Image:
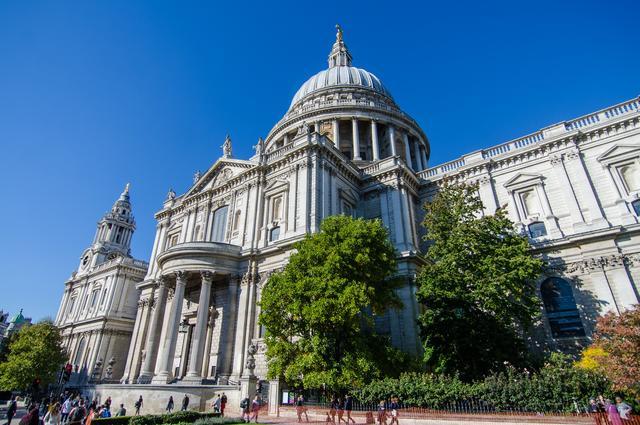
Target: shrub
{"x":217,"y":421}
{"x":114,"y":420}
{"x":188,"y":416}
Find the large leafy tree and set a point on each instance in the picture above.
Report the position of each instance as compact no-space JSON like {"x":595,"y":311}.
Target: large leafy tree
{"x":615,"y":351}
{"x":318,"y":312}
{"x":476,"y":286}
{"x":36,"y":352}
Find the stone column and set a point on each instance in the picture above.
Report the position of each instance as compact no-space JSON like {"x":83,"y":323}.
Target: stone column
{"x":151,"y":346}
{"x":169,"y":346}
{"x":336,"y":133}
{"x":407,"y":149}
{"x":356,"y":139}
{"x":416,"y":149}
{"x":560,"y":172}
{"x":424,"y":158}
{"x":286,"y":139}
{"x":199,"y":335}
{"x":374,"y":140}
{"x":392,"y":139}
{"x":576,"y":169}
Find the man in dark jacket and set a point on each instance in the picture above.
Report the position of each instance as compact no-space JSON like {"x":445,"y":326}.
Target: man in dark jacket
{"x":12,"y":408}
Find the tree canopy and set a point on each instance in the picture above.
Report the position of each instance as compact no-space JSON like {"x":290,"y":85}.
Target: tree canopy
{"x":615,"y":351}
{"x":319,"y":311}
{"x":35,"y":352}
{"x":476,"y":287}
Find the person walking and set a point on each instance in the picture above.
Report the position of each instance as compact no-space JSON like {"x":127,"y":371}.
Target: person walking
{"x":333,"y":408}
{"x":623,"y":408}
{"x":216,"y":404}
{"x":245,"y":406}
{"x":77,"y":414}
{"x":612,"y":411}
{"x":348,"y":407}
{"x":169,"y":408}
{"x":138,"y":406}
{"x":223,"y":403}
{"x":341,"y":411}
{"x":67,"y":405}
{"x":53,"y":415}
{"x":255,"y":408}
{"x":185,"y":403}
{"x":32,"y":417}
{"x":394,"y":406}
{"x":11,"y":409}
{"x":382,"y":413}
{"x":300,"y":409}
{"x":105,"y":412}
{"x":122,"y":411}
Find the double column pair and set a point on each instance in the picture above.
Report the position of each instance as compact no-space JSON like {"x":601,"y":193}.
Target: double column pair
{"x":165,"y":360}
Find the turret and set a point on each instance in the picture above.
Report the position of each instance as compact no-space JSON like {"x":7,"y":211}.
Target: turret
{"x":113,"y":234}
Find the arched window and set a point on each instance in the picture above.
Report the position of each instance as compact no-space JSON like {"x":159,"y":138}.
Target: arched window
{"x":636,"y":206}
{"x":219,"y":224}
{"x":274,"y":234}
{"x":537,"y":229}
{"x":561,"y":309}
{"x":80,"y":351}
{"x":94,"y":297}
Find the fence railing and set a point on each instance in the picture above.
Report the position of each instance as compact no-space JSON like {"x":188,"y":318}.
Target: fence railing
{"x":319,"y":412}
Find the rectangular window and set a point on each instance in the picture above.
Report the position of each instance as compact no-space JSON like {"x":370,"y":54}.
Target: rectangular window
{"x":219,"y":224}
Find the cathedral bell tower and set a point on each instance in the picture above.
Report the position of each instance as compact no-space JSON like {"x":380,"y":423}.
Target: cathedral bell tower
{"x":113,"y":234}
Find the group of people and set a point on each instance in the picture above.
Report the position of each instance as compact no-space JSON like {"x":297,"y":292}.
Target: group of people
{"x":617,"y":412}
{"x":219,"y":404}
{"x":68,"y":409}
{"x":250,"y":408}
{"x":339,"y":406}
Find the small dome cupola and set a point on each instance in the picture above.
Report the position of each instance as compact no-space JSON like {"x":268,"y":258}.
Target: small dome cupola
{"x":339,"y":55}
{"x":122,"y":206}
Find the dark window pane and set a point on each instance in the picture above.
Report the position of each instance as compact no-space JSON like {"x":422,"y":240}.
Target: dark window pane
{"x":537,"y":229}
{"x":560,"y":306}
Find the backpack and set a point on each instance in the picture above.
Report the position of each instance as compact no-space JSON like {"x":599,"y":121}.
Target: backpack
{"x":78,"y":414}
{"x":244,"y":404}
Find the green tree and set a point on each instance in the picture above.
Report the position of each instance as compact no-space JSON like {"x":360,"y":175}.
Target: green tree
{"x":476,"y":287}
{"x":318,"y":312}
{"x":36,"y":352}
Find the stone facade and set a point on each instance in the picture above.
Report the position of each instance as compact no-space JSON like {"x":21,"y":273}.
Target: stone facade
{"x":345,"y":147}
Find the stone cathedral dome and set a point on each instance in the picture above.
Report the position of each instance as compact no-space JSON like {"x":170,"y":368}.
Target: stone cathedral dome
{"x":346,"y":76}
{"x":339,"y":74}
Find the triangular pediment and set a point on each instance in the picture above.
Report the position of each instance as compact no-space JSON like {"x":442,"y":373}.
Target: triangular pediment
{"x":220,"y":173}
{"x":523,"y":179}
{"x":276,"y":184}
{"x":619,"y":153}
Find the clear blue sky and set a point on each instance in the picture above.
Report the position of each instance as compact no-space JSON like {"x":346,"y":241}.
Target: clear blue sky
{"x":95,"y":94}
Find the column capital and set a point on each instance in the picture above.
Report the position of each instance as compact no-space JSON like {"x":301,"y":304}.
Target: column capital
{"x":207,"y":276}
{"x":181,"y":277}
{"x":162,"y":281}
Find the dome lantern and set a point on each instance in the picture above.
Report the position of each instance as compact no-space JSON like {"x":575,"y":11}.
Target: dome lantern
{"x":339,"y":55}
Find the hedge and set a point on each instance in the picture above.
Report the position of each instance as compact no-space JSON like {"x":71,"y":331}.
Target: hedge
{"x":556,"y":387}
{"x":186,"y":417}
